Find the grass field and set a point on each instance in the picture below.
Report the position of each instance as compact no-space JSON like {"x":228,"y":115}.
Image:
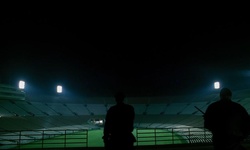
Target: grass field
{"x":93,"y":138}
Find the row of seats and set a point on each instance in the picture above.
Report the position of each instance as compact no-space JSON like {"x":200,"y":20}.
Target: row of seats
{"x":23,"y":108}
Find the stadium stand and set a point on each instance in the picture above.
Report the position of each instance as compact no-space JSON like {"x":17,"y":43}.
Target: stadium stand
{"x":20,"y":112}
{"x":11,"y":93}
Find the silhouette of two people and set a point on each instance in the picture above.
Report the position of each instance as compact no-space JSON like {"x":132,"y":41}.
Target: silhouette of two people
{"x":228,"y":122}
{"x":119,"y":125}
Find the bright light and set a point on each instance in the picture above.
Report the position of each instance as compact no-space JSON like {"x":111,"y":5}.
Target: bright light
{"x":59,"y":89}
{"x":216,"y":85}
{"x":21,"y":84}
{"x":99,"y":122}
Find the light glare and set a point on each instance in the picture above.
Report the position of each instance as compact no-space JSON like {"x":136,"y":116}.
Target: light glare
{"x":21,"y":84}
{"x":59,"y":89}
{"x":216,"y":85}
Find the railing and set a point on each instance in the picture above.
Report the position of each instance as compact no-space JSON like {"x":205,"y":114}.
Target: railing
{"x":165,"y":136}
{"x":43,"y":139}
{"x":79,"y":138}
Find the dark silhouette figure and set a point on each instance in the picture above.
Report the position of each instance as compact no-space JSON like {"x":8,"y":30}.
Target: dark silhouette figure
{"x":119,"y":125}
{"x":228,"y":121}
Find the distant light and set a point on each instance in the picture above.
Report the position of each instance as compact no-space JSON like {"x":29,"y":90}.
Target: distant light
{"x":21,"y":84}
{"x":216,"y":85}
{"x":59,"y":89}
{"x":95,"y":121}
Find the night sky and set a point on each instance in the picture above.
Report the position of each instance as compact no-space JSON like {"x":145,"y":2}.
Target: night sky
{"x":143,"y":52}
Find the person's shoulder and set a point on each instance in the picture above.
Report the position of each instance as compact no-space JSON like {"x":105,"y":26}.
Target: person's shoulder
{"x":129,"y":106}
{"x":112,"y":107}
{"x":214,"y":105}
{"x":237,"y":104}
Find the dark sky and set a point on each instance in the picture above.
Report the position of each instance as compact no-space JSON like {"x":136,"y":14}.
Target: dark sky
{"x":143,"y":52}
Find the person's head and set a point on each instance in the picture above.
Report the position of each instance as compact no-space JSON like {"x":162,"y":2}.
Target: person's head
{"x":119,"y":97}
{"x":225,"y":94}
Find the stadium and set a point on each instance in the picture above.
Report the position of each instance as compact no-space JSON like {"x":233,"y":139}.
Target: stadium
{"x":163,"y":59}
{"x":53,"y":122}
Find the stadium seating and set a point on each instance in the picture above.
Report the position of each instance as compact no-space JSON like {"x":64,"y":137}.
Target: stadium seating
{"x":21,"y":112}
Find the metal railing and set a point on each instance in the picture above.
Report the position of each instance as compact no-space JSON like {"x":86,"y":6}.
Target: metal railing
{"x":163,"y":136}
{"x":26,"y":139}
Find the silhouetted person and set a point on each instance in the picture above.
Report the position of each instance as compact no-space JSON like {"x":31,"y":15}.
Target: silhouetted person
{"x":119,"y":125}
{"x":228,"y":121}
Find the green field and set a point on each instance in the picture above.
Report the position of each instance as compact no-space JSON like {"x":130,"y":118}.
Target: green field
{"x":93,"y":138}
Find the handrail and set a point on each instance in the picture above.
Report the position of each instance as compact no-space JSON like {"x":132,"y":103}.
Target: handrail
{"x":43,"y":139}
{"x":181,"y":135}
{"x":20,"y":139}
{"x":79,"y":138}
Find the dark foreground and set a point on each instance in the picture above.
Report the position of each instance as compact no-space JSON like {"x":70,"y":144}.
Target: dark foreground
{"x":162,"y":147}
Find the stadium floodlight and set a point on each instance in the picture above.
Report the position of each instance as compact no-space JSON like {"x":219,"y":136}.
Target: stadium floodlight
{"x":216,"y":85}
{"x":59,"y":89}
{"x":21,"y":84}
